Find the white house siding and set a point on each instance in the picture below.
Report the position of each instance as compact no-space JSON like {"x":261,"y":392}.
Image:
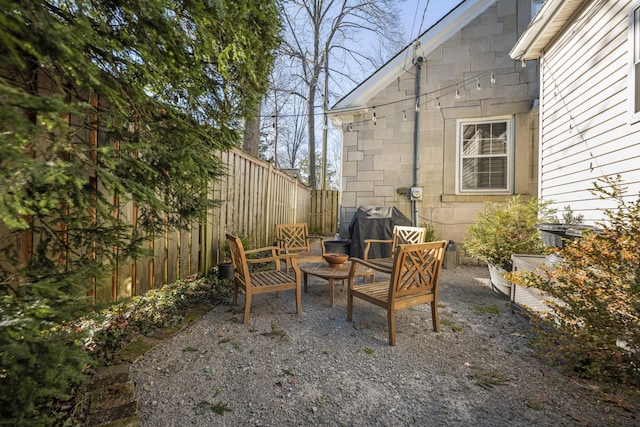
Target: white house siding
{"x":585,"y":129}
{"x":378,"y":159}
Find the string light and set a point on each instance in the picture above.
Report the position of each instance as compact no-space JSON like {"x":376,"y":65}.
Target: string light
{"x":523,"y":64}
{"x":457,"y":93}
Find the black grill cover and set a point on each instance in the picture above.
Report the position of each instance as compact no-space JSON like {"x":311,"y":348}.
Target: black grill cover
{"x":374,"y":222}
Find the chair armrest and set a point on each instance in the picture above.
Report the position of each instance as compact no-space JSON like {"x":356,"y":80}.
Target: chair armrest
{"x":324,"y":250}
{"x":368,"y":243}
{"x":264,"y":249}
{"x":275,"y":251}
{"x":274,"y":256}
{"x":372,"y":265}
{"x":378,"y":241}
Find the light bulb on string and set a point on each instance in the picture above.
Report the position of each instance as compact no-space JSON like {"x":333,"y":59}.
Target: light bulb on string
{"x":404,"y":116}
{"x":438,"y":103}
{"x":457,"y":93}
{"x":417,"y":106}
{"x":374,"y":116}
{"x":493,"y":78}
{"x":523,"y":64}
{"x":478,"y":83}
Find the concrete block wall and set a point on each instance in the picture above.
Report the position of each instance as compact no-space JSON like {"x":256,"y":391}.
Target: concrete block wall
{"x":378,"y":157}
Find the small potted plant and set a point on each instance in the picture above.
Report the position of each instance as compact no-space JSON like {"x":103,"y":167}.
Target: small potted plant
{"x":503,"y":230}
{"x":225,"y":268}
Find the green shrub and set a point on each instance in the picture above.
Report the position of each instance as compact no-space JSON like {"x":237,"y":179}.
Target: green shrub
{"x":430,"y":234}
{"x":40,"y":361}
{"x":503,"y":230}
{"x":595,"y":329}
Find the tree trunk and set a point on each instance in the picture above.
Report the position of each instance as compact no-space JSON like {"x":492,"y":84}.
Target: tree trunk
{"x":251,"y":141}
{"x":311,"y":128}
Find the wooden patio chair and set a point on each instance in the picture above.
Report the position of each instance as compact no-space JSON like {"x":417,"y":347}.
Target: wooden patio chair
{"x":414,"y":279}
{"x":401,"y":235}
{"x":294,"y":239}
{"x":264,"y":280}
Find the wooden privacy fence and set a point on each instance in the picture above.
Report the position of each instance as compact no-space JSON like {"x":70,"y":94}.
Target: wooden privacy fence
{"x":254,"y":197}
{"x":323,"y":218}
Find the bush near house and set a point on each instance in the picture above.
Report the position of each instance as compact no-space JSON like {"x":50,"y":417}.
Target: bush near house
{"x":595,"y":330}
{"x":503,"y":230}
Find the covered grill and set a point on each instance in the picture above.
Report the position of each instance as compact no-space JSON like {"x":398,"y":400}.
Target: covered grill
{"x":374,"y":222}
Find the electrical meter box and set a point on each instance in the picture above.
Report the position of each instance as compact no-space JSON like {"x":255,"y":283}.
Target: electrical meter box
{"x":415,"y":193}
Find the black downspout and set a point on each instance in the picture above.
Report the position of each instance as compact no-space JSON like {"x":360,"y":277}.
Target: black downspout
{"x":416,"y":131}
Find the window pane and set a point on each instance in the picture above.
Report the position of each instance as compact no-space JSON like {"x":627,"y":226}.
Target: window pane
{"x":484,"y":173}
{"x":485,"y":156}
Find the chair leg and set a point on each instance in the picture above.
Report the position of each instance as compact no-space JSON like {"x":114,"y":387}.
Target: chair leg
{"x":349,"y":306}
{"x":234,"y":300}
{"x":247,"y":306}
{"x":434,"y":316}
{"x":391,"y":315}
{"x":298,"y":301}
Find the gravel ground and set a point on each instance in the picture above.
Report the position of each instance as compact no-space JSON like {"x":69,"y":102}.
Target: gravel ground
{"x":285,"y":370}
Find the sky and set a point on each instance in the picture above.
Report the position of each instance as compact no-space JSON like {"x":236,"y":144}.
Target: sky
{"x":413,"y":10}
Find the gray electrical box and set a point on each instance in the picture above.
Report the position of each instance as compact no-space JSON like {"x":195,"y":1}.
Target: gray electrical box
{"x":415,"y":193}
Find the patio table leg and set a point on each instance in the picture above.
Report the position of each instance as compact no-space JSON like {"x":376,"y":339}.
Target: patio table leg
{"x":331,"y":292}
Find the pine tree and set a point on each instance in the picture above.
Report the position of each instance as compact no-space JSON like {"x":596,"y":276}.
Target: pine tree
{"x":103,"y":100}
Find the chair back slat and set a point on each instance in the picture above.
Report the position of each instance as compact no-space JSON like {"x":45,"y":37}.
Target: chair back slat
{"x":403,"y":235}
{"x":416,"y":269}
{"x":239,"y":259}
{"x":296,"y":237}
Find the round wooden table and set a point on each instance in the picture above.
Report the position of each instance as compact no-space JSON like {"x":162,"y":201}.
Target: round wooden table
{"x":321,"y":269}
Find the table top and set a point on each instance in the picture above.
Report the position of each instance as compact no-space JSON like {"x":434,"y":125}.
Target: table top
{"x":322,"y":269}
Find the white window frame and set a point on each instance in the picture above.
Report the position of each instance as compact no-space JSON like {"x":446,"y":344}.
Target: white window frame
{"x":510,"y":145}
{"x":634,"y":62}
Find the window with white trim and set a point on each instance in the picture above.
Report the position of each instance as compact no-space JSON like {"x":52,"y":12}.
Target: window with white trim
{"x":634,"y":66}
{"x":485,"y":155}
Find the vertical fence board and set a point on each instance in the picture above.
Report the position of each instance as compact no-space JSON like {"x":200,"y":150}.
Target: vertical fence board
{"x":253,"y":197}
{"x":323,"y":215}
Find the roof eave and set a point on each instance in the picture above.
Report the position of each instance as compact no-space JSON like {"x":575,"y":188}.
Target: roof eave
{"x":543,"y":28}
{"x":444,"y":29}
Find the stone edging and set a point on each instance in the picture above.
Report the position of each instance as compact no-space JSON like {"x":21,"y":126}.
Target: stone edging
{"x":110,"y":394}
